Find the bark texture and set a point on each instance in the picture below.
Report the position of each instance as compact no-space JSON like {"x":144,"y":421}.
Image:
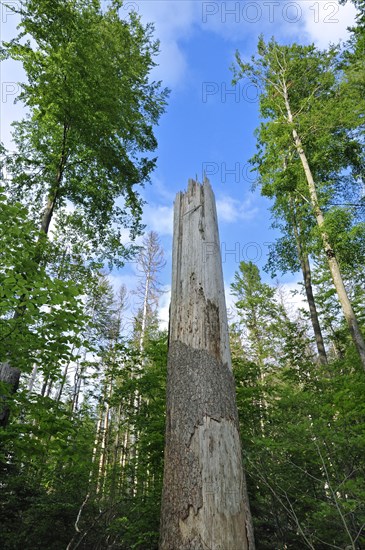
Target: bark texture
{"x":333,"y":264}
{"x":307,"y":278}
{"x":10,"y":377}
{"x":204,"y":503}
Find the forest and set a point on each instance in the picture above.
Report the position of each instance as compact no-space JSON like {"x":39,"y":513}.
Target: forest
{"x":82,"y":393}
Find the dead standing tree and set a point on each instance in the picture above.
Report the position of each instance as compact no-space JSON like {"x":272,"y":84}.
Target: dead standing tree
{"x":204,"y":504}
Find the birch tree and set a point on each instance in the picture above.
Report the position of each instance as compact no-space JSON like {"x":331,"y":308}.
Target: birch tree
{"x":309,"y":122}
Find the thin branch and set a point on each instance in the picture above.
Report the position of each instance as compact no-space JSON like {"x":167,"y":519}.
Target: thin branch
{"x":305,"y":471}
{"x":334,"y":496}
{"x":290,"y":511}
{"x":360,"y":532}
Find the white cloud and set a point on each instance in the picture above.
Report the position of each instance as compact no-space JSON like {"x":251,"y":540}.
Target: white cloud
{"x":173,"y":21}
{"x":326,"y":22}
{"x":232,"y":210}
{"x":162,"y":190}
{"x":321,"y":22}
{"x":158,"y":218}
{"x":291,"y":297}
{"x":164,"y":309}
{"x":172,"y":65}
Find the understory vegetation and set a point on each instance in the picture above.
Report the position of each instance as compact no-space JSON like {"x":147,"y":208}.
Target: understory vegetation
{"x":83,"y":378}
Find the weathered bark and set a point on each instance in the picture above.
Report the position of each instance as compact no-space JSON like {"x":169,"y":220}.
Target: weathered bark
{"x":334,"y":267}
{"x":9,"y":376}
{"x":307,"y":278}
{"x":204,"y":503}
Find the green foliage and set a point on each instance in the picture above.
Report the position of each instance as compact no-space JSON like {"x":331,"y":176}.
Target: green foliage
{"x":312,"y":83}
{"x":302,"y":430}
{"x":91,"y":116}
{"x":42,"y":473}
{"x":68,"y":457}
{"x":50,"y":314}
{"x":81,"y":462}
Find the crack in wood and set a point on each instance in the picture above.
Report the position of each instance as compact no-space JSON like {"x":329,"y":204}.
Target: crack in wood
{"x":193,"y":210}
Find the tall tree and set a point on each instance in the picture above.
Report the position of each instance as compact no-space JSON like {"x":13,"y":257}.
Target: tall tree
{"x":290,"y":253}
{"x":308,"y":123}
{"x":91,"y":114}
{"x":150,"y":261}
{"x":47,"y":332}
{"x":299,"y":455}
{"x":204,"y":502}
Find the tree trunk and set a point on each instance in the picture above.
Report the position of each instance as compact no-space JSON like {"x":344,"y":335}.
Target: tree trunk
{"x":331,"y":257}
{"x":322,"y":355}
{"x":307,"y":278}
{"x":32,"y":378}
{"x":10,"y":376}
{"x":104,"y":439}
{"x":63,"y":381}
{"x":204,"y":504}
{"x":12,"y":379}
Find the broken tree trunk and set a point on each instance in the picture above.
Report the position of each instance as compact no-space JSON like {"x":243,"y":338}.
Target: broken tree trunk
{"x":204,"y":502}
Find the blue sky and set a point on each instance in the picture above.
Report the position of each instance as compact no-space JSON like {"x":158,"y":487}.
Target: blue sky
{"x":207,"y":125}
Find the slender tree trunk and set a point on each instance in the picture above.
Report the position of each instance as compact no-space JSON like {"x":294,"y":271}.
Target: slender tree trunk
{"x":149,"y":265}
{"x":144,"y":313}
{"x":307,"y":278}
{"x":90,"y":485}
{"x":203,"y":502}
{"x":62,"y":383}
{"x":33,"y":378}
{"x":49,"y":389}
{"x":44,"y":385}
{"x":9,"y":374}
{"x":115,"y":481}
{"x":104,"y":440}
{"x":78,"y":377}
{"x":322,"y":355}
{"x":331,"y":257}
{"x":133,"y":439}
{"x":259,"y":360}
{"x":77,"y":386}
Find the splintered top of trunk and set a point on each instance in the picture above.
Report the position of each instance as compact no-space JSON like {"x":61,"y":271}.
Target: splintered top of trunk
{"x":198,"y":310}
